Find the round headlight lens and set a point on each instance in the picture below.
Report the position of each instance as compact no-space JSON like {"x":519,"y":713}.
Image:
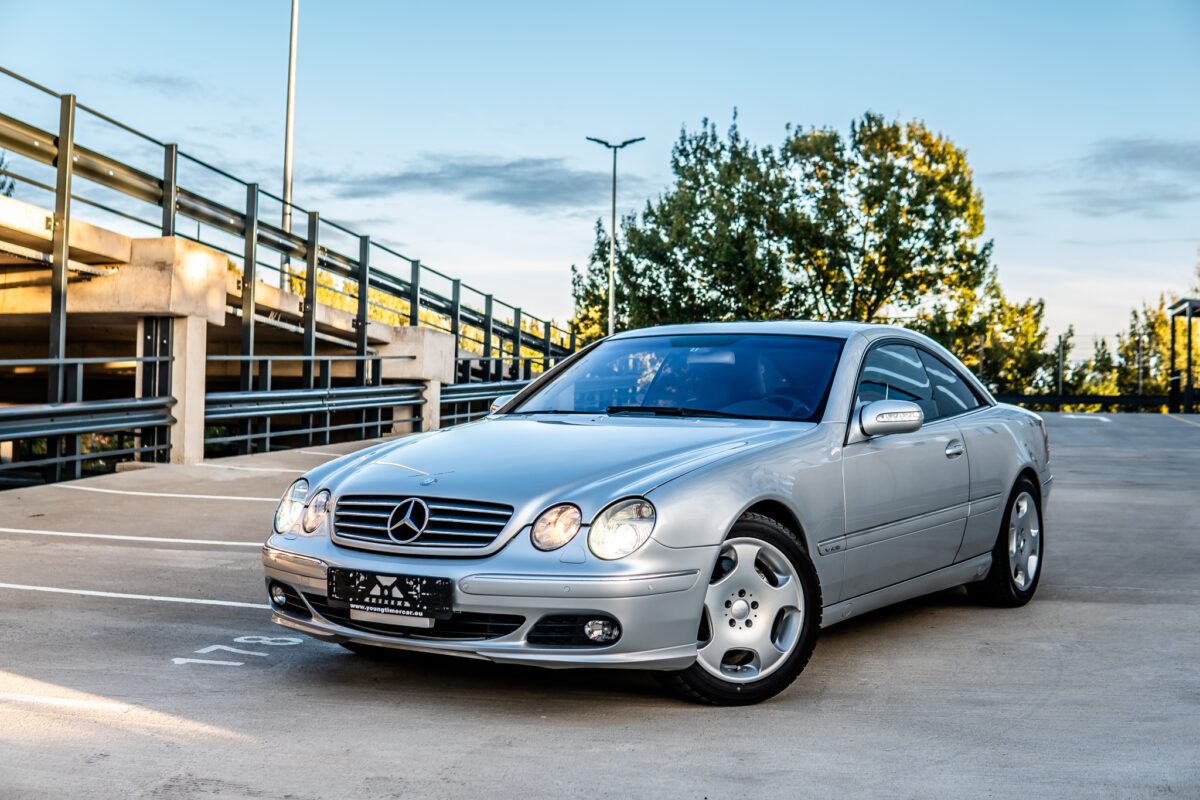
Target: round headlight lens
{"x":621,"y":529}
{"x":318,"y":509}
{"x":555,"y":527}
{"x":291,"y":507}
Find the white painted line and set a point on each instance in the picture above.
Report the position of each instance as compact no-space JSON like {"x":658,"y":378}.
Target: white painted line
{"x":246,"y":469}
{"x":323,"y":453}
{"x":122,"y":596}
{"x":165,"y":494}
{"x":130,"y":538}
{"x":68,"y":702}
{"x":1095,"y":417}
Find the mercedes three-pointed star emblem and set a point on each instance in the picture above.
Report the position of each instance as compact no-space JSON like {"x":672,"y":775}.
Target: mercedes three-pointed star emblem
{"x":408,"y":520}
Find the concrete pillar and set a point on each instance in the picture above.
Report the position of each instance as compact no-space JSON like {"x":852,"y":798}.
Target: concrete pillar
{"x":431,"y":411}
{"x":187,"y":387}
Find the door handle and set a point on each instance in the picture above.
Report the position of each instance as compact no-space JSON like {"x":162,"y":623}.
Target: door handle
{"x":954,"y":449}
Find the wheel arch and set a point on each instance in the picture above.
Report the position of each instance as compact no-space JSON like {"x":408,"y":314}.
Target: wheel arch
{"x":778,"y":511}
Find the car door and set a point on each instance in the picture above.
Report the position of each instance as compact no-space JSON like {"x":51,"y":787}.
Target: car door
{"x":906,"y":494}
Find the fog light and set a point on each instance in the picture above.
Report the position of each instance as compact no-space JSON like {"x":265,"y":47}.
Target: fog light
{"x":278,"y":595}
{"x":602,"y":630}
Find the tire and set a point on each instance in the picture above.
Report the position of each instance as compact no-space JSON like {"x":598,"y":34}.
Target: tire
{"x":760,"y":621}
{"x":1018,"y":553}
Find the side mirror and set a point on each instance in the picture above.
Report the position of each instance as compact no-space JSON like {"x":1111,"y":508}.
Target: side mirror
{"x":890,"y":416}
{"x":500,"y":402}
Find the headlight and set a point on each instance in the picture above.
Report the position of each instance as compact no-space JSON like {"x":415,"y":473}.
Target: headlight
{"x":621,"y":528}
{"x":291,"y":507}
{"x":318,"y":509}
{"x":555,"y":527}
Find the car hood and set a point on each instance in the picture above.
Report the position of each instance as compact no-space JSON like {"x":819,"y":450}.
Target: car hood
{"x":542,"y":459}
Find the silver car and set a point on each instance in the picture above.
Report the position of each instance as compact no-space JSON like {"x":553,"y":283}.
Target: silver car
{"x":697,"y":500}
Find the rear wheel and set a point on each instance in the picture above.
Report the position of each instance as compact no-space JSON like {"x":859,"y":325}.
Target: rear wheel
{"x":760,"y":621}
{"x":1017,"y":555}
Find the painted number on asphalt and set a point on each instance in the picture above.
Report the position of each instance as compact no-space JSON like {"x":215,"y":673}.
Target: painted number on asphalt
{"x":268,"y":641}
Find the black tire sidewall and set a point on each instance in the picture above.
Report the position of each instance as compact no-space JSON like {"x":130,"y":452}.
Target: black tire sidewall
{"x":1002,"y":578}
{"x":700,"y":684}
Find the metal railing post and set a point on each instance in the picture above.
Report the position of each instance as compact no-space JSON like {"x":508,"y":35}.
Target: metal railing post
{"x":546,"y":349}
{"x":455,"y":311}
{"x":60,"y":247}
{"x":573,"y":344}
{"x":310,"y":300}
{"x":488,"y":319}
{"x":414,"y":295}
{"x":170,"y":188}
{"x":72,"y":467}
{"x":516,"y":343}
{"x":361,"y":318}
{"x":249,"y":260}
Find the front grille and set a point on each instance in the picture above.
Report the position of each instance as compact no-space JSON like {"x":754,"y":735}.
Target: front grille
{"x":463,"y":626}
{"x":465,"y":524}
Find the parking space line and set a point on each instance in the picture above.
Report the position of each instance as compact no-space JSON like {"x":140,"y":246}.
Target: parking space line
{"x":120,"y":538}
{"x":123,"y":596}
{"x":165,"y":494}
{"x":324,"y":453}
{"x":1181,"y":419}
{"x":246,"y":469}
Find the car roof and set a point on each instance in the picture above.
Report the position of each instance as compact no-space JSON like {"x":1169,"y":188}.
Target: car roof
{"x":839,"y":330}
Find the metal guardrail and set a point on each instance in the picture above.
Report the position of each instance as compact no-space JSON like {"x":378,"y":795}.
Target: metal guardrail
{"x":463,"y":402}
{"x":1060,"y":400}
{"x":475,"y":327}
{"x":315,"y":408}
{"x":59,"y":422}
{"x":86,"y":423}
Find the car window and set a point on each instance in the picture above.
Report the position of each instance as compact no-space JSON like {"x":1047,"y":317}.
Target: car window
{"x":895,"y":372}
{"x":951,"y":394}
{"x":739,"y":375}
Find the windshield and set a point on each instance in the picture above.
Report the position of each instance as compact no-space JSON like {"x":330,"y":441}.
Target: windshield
{"x":728,"y":375}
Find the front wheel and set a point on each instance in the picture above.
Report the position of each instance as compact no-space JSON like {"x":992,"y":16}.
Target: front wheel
{"x":760,"y":621}
{"x":1017,"y":554}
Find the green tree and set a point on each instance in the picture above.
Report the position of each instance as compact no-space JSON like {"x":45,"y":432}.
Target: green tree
{"x":882,"y":225}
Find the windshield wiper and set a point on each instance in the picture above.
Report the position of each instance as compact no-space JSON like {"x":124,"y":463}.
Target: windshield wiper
{"x":672,"y":411}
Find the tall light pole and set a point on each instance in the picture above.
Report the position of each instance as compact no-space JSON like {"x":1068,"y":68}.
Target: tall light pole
{"x":612,"y":236}
{"x":288,"y":135}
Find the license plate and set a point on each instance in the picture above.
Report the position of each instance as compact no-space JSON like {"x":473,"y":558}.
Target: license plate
{"x":392,"y":595}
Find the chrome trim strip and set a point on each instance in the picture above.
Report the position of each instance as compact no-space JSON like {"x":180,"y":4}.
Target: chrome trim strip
{"x":577,"y":586}
{"x":902,"y":527}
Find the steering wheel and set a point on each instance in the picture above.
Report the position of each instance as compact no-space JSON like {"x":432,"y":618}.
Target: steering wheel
{"x":790,"y":405}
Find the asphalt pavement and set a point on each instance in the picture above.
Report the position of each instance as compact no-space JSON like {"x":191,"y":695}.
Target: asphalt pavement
{"x":137,"y":660}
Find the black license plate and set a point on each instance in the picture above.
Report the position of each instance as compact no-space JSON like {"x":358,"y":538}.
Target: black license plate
{"x":402,"y":595}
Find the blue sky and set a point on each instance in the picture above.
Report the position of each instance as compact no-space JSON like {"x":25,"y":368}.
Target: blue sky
{"x":456,"y":130}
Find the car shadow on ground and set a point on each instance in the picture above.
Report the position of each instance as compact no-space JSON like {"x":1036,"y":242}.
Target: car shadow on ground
{"x":450,"y":679}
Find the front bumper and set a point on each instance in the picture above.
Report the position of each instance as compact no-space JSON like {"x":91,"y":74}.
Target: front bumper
{"x":656,"y":596}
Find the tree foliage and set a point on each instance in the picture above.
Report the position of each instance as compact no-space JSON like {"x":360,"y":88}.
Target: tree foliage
{"x":884,"y":224}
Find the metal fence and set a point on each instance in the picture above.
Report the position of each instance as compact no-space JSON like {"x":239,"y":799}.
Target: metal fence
{"x":152,"y":188}
{"x":264,"y":415}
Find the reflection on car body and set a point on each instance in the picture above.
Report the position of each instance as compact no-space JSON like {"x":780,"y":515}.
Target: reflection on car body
{"x":697,"y":500}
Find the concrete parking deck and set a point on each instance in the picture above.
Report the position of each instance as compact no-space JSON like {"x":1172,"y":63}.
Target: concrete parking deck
{"x":137,"y":659}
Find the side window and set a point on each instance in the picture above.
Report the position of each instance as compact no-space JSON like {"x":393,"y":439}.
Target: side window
{"x":895,"y":372}
{"x":951,"y":394}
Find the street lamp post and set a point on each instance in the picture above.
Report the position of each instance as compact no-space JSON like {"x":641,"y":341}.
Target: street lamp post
{"x":612,"y":237}
{"x":288,"y":135}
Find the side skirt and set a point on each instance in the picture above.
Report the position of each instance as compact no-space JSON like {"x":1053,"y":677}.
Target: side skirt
{"x":954,"y":575}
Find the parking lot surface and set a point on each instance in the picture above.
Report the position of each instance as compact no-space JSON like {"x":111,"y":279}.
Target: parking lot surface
{"x":137,"y":659}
